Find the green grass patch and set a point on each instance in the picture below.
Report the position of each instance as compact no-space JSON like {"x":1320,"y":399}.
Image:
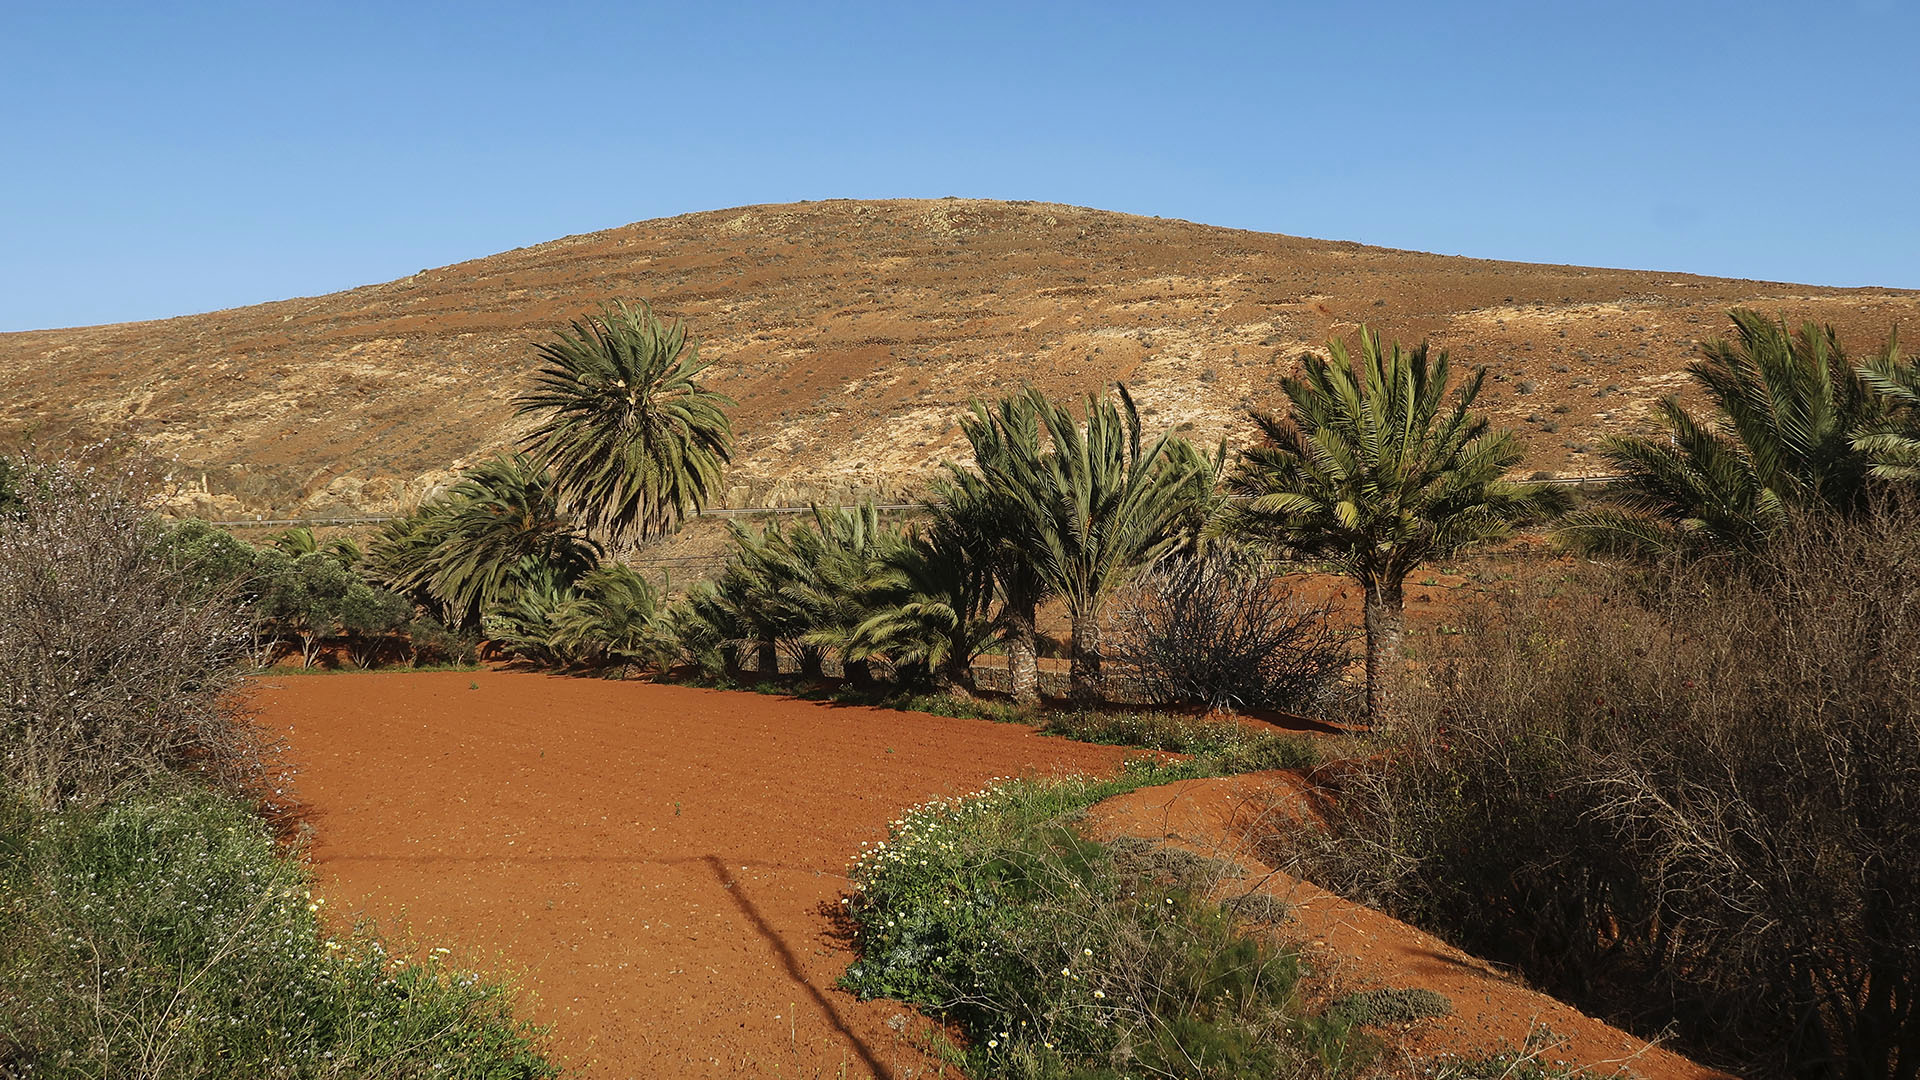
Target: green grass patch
{"x":1228,"y":747}
{"x":167,"y":935}
{"x":1060,"y":957}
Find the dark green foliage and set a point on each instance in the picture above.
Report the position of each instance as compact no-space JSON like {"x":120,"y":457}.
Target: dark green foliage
{"x":609,"y":621}
{"x":634,"y":441}
{"x":1058,"y":957}
{"x":312,"y":598}
{"x":1003,"y":437}
{"x":930,"y":598}
{"x":469,"y":549}
{"x":1375,"y":471}
{"x":1892,"y":442}
{"x":166,"y":936}
{"x":431,"y":642}
{"x":1794,"y":427}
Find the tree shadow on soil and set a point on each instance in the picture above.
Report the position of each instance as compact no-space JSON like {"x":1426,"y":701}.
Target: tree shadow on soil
{"x":737,"y":893}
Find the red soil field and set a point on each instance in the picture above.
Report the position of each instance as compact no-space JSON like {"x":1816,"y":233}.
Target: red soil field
{"x":660,"y":866}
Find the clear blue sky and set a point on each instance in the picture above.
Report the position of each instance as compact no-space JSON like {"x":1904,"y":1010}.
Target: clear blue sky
{"x":159,"y":159}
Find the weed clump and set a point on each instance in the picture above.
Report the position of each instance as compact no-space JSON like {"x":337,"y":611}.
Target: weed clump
{"x":1058,"y":956}
{"x":1376,"y":1008}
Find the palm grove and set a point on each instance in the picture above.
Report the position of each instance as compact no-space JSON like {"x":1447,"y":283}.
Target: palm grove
{"x":1378,"y":464}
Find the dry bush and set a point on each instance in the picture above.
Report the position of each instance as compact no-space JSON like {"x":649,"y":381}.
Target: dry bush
{"x":1220,"y":630}
{"x":1691,"y":798}
{"x":115,"y":662}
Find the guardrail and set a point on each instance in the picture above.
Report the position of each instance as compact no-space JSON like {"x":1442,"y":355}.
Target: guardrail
{"x":745,"y":511}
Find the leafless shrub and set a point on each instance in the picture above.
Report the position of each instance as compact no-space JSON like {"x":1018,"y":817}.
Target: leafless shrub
{"x":115,"y":663}
{"x":1219,"y":630}
{"x":1692,"y":799}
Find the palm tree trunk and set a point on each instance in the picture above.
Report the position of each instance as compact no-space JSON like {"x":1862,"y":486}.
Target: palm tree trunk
{"x":1086,"y":658}
{"x":769,"y":659}
{"x":1023,"y":664}
{"x":811,"y":662}
{"x":1385,"y":616}
{"x":859,"y":673}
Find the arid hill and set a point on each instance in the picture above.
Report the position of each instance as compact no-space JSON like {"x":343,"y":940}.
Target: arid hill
{"x":853,"y":333}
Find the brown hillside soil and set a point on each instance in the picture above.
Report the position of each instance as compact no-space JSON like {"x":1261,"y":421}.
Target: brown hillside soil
{"x":661,"y":865}
{"x":1362,"y":949}
{"x":853,"y":333}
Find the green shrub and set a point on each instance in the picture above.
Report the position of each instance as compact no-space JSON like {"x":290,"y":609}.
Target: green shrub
{"x":1057,"y":956}
{"x":165,"y":936}
{"x":1393,"y":1006}
{"x":1226,"y":746}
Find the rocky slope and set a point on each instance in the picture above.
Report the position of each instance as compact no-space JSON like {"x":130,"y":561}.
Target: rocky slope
{"x":852,"y":334}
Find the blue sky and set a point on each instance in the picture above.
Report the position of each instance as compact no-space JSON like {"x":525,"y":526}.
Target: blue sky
{"x":161,"y":159}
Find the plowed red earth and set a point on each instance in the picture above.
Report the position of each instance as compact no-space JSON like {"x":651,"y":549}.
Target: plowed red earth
{"x":660,"y":866}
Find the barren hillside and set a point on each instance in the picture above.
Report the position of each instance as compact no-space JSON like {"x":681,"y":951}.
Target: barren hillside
{"x":853,"y":333}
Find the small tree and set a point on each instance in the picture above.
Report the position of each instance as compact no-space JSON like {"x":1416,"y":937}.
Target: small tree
{"x":1373,"y":471}
{"x":930,"y":603}
{"x":1001,"y":436}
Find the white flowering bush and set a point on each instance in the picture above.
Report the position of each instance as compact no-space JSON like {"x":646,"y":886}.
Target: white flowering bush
{"x":1058,"y":956}
{"x":165,"y":936}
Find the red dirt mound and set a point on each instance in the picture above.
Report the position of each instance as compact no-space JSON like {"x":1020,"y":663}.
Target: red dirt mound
{"x":661,"y":865}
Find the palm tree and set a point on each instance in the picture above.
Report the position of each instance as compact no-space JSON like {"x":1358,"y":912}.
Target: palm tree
{"x":1892,"y":443}
{"x":1001,"y":435}
{"x":1095,"y":506}
{"x":634,"y":441}
{"x":1372,"y":470}
{"x":615,"y":623}
{"x":300,"y":540}
{"x":1793,"y":429}
{"x":832,"y":581}
{"x":930,"y":602}
{"x":468,"y":549}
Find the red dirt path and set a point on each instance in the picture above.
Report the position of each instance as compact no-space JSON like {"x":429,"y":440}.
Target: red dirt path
{"x":661,"y":865}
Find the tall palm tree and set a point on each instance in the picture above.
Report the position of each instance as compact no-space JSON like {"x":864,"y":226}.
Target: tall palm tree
{"x":1792,"y":417}
{"x":1093,"y":507}
{"x":634,"y":441}
{"x":1373,"y":470}
{"x":1002,"y":436}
